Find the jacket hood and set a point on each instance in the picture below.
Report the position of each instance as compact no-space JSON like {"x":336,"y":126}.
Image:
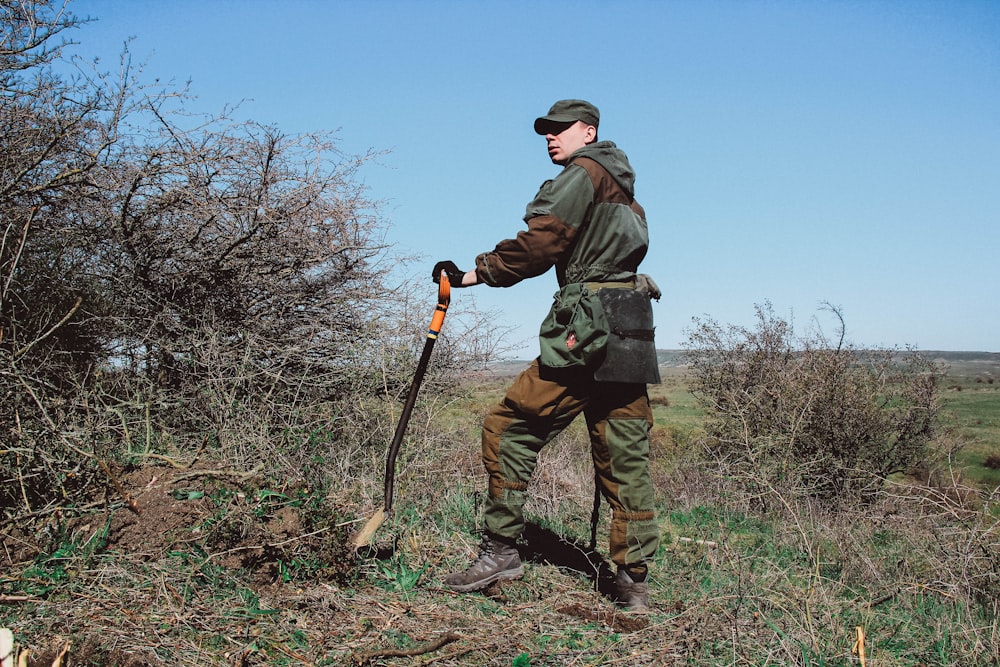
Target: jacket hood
{"x":611,"y":158}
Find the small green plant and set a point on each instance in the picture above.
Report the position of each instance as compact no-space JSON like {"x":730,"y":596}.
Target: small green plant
{"x":47,"y":572}
{"x":396,"y":575}
{"x":251,"y":606}
{"x":187,"y":494}
{"x":399,"y":639}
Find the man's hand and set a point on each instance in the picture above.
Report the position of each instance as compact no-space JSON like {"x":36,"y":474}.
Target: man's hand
{"x":455,"y":274}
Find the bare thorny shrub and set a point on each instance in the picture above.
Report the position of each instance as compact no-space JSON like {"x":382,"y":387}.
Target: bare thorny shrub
{"x":561,"y":487}
{"x":807,"y":415}
{"x":179,"y":286}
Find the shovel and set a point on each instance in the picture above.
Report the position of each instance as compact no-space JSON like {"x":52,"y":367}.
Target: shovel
{"x":364,"y":537}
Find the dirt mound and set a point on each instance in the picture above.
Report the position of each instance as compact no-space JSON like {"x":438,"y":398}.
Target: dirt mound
{"x":150,"y":511}
{"x":231,"y":517}
{"x":164,"y":506}
{"x":212,"y":530}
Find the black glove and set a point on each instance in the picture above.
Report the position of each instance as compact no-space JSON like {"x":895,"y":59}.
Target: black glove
{"x":454,"y":273}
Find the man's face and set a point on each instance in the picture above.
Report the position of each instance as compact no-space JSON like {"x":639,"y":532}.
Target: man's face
{"x":563,"y":142}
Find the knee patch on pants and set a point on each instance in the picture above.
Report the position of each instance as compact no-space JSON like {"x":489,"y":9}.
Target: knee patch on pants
{"x":499,"y":485}
{"x":504,"y":515}
{"x":635,"y":537}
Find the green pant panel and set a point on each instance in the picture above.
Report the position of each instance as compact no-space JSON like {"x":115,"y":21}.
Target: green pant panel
{"x":628,"y":440}
{"x":620,"y":447}
{"x":537,"y":407}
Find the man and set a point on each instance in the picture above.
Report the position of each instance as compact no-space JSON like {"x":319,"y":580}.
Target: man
{"x":597,"y":351}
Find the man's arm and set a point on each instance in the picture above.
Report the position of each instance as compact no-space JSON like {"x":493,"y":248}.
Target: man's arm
{"x":531,"y":253}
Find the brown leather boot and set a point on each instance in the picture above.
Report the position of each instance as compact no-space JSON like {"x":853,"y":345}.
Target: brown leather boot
{"x":496,"y":561}
{"x":633,"y":595}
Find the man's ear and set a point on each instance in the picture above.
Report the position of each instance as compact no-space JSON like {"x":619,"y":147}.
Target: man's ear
{"x":591,"y":134}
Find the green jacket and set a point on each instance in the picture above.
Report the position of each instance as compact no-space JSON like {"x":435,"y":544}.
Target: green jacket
{"x":585,"y":222}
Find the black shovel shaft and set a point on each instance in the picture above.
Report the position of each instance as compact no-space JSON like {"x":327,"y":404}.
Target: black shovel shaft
{"x":437,"y":321}
{"x":404,"y":418}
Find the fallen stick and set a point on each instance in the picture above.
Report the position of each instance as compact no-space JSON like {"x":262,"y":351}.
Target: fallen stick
{"x":706,"y":543}
{"x":118,"y":487}
{"x":235,"y":474}
{"x":859,"y":646}
{"x":366,"y":657}
{"x":58,"y":662}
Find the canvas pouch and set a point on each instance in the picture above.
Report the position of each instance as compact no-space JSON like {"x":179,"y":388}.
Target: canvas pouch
{"x":575,"y":331}
{"x":630,"y":354}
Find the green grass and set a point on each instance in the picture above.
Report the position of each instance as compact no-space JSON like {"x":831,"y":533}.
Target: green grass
{"x":682,"y":410}
{"x":972,"y":411}
{"x":773,"y":596}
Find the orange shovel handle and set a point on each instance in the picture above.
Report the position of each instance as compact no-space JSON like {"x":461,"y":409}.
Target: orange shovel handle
{"x":444,"y":298}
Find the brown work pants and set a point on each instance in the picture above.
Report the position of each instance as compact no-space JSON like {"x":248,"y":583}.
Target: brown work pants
{"x":538,"y":406}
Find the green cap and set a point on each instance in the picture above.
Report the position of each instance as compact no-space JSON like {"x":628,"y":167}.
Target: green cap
{"x":564,"y":112}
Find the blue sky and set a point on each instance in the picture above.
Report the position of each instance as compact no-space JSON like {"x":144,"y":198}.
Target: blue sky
{"x":791,"y":152}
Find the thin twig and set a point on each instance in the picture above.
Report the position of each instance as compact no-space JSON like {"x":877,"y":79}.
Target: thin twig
{"x":24,"y":350}
{"x":704,"y":543}
{"x":220,"y":473}
{"x":118,"y":487}
{"x":271,"y":545}
{"x":366,"y":657}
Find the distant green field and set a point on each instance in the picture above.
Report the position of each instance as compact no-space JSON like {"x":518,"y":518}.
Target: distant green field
{"x":970,"y":409}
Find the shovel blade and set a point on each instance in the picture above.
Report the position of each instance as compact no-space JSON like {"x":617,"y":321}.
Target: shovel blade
{"x":364,"y":537}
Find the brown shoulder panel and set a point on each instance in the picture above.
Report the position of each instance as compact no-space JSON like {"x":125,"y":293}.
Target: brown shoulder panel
{"x":606,"y":188}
